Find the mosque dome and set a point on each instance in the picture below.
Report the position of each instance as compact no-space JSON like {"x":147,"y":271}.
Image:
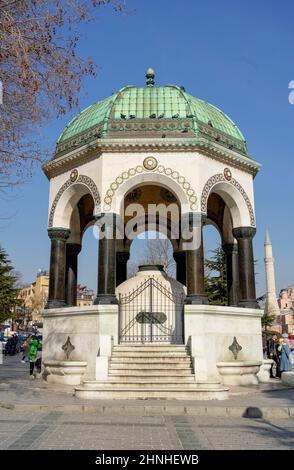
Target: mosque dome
{"x":152,"y":112}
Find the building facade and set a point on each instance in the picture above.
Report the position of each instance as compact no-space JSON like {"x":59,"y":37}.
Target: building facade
{"x":34,"y":297}
{"x":286,"y":304}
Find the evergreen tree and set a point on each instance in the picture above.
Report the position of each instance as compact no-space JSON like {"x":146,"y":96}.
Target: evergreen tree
{"x":216,"y":277}
{"x":267,"y":320}
{"x":8,"y":289}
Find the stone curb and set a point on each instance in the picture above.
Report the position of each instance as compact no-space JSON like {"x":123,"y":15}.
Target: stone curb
{"x":148,"y":410}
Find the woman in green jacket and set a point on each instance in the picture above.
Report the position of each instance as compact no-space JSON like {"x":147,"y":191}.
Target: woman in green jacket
{"x":33,"y":356}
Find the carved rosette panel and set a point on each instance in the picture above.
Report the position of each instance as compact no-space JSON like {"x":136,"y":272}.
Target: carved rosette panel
{"x":175,"y":175}
{"x":221,"y":178}
{"x":82,"y":179}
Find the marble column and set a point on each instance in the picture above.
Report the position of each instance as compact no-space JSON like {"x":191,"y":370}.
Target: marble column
{"x":244,"y":236}
{"x":71,"y":273}
{"x":195,"y":261}
{"x":122,"y":258}
{"x":231,"y":252}
{"x":180,"y":259}
{"x":56,"y":294}
{"x":107,"y":261}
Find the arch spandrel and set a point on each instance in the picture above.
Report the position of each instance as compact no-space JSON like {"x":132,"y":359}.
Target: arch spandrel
{"x":67,"y":198}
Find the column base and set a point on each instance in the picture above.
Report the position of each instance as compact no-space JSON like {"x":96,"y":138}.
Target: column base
{"x":196,"y":299}
{"x":105,"y":299}
{"x":55,"y":304}
{"x":249,"y":303}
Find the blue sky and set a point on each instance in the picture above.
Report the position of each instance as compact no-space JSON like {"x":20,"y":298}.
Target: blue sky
{"x":237,"y":55}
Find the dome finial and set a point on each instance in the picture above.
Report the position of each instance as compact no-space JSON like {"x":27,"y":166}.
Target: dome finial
{"x":150,"y":74}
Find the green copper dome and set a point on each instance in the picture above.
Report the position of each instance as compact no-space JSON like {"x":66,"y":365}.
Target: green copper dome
{"x":151,"y":112}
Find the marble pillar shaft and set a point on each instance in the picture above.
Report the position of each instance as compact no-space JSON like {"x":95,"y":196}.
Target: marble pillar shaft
{"x":232,"y":267}
{"x":56,"y":293}
{"x":244,"y":237}
{"x":71,"y":273}
{"x":122,"y":258}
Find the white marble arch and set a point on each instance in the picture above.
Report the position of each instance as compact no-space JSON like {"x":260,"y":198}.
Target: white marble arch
{"x":239,"y":206}
{"x":63,"y":215}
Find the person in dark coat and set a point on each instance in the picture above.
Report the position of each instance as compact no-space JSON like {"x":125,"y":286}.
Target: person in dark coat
{"x":272,"y":353}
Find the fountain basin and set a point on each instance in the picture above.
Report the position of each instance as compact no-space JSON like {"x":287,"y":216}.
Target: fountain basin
{"x":239,"y":372}
{"x":264,"y":372}
{"x":64,"y":372}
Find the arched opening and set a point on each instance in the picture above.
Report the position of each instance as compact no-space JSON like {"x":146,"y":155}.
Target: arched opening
{"x":151,"y":216}
{"x":81,"y":255}
{"x":221,"y":255}
{"x":151,"y":248}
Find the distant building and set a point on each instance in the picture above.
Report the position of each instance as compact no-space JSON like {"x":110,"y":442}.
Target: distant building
{"x":85,"y":296}
{"x":34,"y":296}
{"x":286,"y":304}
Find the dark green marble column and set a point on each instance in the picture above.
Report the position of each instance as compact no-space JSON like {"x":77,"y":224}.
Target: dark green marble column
{"x":231,"y":251}
{"x":195,"y":261}
{"x":180,"y":259}
{"x":122,"y":258}
{"x":71,"y":273}
{"x":244,"y":236}
{"x":107,"y":261}
{"x":56,"y":294}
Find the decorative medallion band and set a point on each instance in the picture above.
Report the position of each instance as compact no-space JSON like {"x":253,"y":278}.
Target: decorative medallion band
{"x":226,"y":177}
{"x":75,"y":179}
{"x":150,"y":164}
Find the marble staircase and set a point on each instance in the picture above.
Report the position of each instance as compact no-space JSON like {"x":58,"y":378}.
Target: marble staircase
{"x":151,"y":372}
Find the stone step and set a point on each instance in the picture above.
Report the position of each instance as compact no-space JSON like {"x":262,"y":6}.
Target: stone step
{"x":187,"y":371}
{"x":151,"y":360}
{"x":175,"y":393}
{"x":156,"y":365}
{"x":150,"y":348}
{"x":149,"y":378}
{"x":147,"y":354}
{"x":130,"y":385}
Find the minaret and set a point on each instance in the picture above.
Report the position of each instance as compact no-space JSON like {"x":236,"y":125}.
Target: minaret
{"x":271,"y":304}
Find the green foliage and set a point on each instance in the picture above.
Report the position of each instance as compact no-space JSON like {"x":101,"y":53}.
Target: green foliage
{"x":216,"y":277}
{"x":8,"y":290}
{"x":267,"y":320}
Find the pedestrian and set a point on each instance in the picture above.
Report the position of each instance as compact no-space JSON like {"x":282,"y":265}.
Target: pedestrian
{"x":14,"y":344}
{"x":272,"y":354}
{"x":8,"y":346}
{"x":285,"y":361}
{"x":39,"y":357}
{"x":279,"y":354}
{"x":33,"y":356}
{"x":25,"y":349}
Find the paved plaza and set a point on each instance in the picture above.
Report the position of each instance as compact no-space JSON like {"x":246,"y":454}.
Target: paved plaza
{"x":36,"y":416}
{"x":57,"y":430}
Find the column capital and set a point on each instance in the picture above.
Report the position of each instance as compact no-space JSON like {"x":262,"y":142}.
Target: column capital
{"x":73,"y":248}
{"x":244,"y":232}
{"x":58,"y":233}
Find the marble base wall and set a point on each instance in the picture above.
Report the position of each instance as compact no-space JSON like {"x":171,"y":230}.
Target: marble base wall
{"x":85,"y":326}
{"x":210,"y":330}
